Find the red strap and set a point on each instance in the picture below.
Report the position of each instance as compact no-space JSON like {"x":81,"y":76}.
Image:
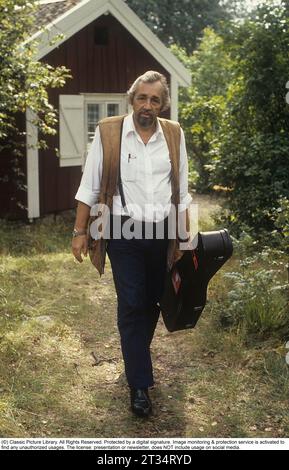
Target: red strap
{"x":195,"y":260}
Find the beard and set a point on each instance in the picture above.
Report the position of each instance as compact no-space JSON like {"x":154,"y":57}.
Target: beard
{"x":145,"y":120}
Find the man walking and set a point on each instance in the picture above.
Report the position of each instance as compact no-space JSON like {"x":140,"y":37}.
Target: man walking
{"x":140,"y":191}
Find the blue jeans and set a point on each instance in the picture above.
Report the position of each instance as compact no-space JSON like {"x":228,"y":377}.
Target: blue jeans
{"x":138,"y":268}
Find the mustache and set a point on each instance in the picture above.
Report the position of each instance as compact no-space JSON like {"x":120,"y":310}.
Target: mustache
{"x":146,"y":113}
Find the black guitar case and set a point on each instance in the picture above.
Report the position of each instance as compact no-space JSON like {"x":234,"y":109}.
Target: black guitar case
{"x":185,"y":292}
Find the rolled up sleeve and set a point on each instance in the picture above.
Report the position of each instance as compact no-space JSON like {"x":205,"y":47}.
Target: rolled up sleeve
{"x":89,"y":187}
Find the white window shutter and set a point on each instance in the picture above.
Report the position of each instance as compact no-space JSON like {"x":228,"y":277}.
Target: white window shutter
{"x":71,"y":130}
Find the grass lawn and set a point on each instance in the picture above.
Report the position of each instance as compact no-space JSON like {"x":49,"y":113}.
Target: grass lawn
{"x":61,"y":372}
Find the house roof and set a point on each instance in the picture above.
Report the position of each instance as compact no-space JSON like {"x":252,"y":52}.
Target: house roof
{"x":70,"y":16}
{"x":50,"y":10}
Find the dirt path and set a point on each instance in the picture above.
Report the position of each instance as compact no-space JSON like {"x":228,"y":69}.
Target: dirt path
{"x":206,"y":384}
{"x":61,"y":371}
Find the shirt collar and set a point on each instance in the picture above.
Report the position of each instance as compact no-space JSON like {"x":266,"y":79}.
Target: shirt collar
{"x":129,"y":127}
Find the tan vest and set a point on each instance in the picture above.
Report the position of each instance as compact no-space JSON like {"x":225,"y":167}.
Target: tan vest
{"x":110,"y":133}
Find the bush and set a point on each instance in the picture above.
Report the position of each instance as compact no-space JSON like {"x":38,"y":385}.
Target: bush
{"x":201,"y":119}
{"x":257,"y":302}
{"x":254,"y":147}
{"x":202,"y":105}
{"x":255,"y":170}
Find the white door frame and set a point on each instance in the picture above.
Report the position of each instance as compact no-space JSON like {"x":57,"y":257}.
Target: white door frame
{"x":32,"y":165}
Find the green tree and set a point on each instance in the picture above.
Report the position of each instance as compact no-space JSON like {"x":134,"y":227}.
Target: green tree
{"x":203,"y":105}
{"x":254,"y":149}
{"x":24,"y":82}
{"x":180,"y":22}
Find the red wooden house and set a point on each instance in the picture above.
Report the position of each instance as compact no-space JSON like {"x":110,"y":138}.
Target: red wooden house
{"x":106,"y":46}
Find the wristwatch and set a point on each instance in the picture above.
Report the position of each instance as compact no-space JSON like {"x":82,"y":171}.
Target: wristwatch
{"x":77,"y":233}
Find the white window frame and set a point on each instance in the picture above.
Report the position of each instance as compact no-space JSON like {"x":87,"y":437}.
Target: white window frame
{"x":103,"y":99}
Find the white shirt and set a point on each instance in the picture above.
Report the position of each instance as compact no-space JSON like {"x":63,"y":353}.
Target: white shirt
{"x":145,"y":174}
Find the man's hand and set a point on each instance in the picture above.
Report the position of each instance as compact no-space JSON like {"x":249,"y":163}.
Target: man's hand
{"x":190,"y":244}
{"x":79,"y":246}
